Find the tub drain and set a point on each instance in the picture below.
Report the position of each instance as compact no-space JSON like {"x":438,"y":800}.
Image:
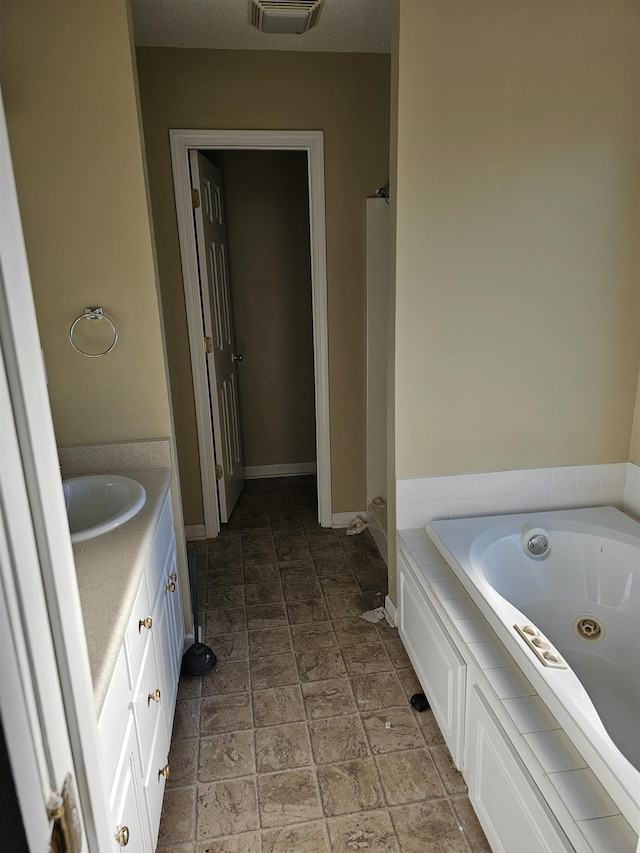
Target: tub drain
{"x":589,"y":628}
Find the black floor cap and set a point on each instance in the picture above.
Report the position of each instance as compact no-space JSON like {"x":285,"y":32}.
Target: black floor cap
{"x":420,"y":702}
{"x":198,"y":660}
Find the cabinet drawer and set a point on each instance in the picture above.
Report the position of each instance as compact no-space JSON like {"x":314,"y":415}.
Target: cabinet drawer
{"x":147,"y":706}
{"x":114,"y":717}
{"x":162,"y":542}
{"x":165,"y":654}
{"x":137,"y":636}
{"x":175,"y":626}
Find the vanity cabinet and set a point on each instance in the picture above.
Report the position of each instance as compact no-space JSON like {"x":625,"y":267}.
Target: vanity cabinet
{"x":137,"y":716}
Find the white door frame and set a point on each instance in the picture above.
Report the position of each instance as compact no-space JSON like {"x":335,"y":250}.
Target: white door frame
{"x":311,"y":141}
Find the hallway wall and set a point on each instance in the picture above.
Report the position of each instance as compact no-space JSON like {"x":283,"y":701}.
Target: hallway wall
{"x":266,"y":196}
{"x":346,"y":96}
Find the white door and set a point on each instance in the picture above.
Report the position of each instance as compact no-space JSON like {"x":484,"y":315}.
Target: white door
{"x":218,"y":329}
{"x":32,"y":713}
{"x":46,"y":696}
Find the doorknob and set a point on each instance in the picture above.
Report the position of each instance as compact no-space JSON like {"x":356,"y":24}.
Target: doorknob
{"x":237,"y":357}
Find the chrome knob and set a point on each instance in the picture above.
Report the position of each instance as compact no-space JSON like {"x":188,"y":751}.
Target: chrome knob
{"x":145,"y":623}
{"x":123,"y":836}
{"x":153,"y":697}
{"x":237,"y":357}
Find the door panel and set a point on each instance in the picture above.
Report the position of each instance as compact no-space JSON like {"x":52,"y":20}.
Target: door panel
{"x":46,"y":696}
{"x":218,"y":325}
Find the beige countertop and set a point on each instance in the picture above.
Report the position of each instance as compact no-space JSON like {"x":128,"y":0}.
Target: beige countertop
{"x":109,"y":569}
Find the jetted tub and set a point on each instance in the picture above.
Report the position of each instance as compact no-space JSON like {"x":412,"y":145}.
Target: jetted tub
{"x":572,"y":579}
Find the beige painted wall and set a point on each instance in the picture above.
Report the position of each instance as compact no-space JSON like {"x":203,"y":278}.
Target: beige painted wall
{"x":634,"y":451}
{"x":517,"y":227}
{"x":345,"y":95}
{"x":267,"y":205}
{"x":68,"y":82}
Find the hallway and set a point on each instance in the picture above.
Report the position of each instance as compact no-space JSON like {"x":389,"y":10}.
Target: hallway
{"x":302,"y":738}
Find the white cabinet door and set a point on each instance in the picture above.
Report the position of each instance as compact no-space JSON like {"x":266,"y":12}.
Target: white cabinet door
{"x":129,"y":824}
{"x":147,"y":703}
{"x":440,"y":669}
{"x":170,"y":635}
{"x":509,"y":805}
{"x":155,"y":781}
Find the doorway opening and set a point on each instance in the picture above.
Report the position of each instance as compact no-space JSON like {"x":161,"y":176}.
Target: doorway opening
{"x":216,"y":147}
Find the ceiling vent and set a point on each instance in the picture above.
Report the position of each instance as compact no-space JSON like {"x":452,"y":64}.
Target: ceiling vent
{"x":284,"y":16}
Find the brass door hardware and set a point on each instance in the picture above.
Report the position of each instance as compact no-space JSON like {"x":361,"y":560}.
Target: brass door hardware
{"x":123,"y":836}
{"x":145,"y":623}
{"x":153,"y":697}
{"x":164,"y":772}
{"x":63,"y":811}
{"x":171,"y":587}
{"x":173,"y":577}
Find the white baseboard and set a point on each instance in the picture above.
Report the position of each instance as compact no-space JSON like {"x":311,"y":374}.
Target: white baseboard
{"x":392,"y":611}
{"x":194,"y":531}
{"x":286,"y":469}
{"x":343,"y":519}
{"x":379,"y":535}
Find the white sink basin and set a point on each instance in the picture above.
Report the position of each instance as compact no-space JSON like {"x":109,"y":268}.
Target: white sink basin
{"x":100,"y":502}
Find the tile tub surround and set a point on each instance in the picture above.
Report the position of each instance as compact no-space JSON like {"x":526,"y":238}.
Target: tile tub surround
{"x":631,"y":502}
{"x":423,"y":499}
{"x":303,"y":739}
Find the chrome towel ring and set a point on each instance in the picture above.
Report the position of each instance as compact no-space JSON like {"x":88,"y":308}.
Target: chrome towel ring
{"x":94,"y":313}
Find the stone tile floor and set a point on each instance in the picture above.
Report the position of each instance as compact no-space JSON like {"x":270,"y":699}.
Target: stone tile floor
{"x":302,"y":739}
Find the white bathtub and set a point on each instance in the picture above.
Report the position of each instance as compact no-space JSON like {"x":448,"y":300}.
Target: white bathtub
{"x":590,"y":570}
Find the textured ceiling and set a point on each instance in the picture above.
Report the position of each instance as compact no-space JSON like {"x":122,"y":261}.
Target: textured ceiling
{"x":354,"y":26}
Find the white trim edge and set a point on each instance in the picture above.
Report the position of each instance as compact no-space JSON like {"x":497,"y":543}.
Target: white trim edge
{"x":379,"y":536}
{"x":343,"y":519}
{"x":192,"y":532}
{"x":311,"y":141}
{"x":391,"y":611}
{"x":286,"y":469}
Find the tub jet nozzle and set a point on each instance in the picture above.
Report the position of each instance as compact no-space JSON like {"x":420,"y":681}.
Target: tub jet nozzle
{"x":538,"y":545}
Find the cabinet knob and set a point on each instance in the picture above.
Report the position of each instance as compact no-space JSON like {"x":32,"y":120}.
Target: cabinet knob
{"x":171,"y":587}
{"x":164,"y":772}
{"x":153,"y":697}
{"x":123,"y":836}
{"x":145,"y":623}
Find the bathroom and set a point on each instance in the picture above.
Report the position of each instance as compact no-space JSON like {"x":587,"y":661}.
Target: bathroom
{"x":514,"y":220}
